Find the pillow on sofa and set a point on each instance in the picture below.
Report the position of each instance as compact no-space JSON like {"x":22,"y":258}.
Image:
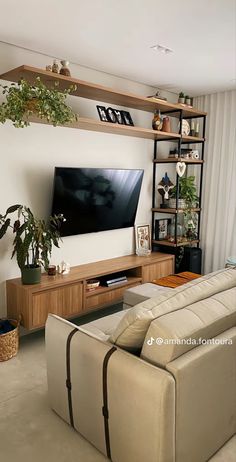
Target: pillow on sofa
{"x":131,"y":330}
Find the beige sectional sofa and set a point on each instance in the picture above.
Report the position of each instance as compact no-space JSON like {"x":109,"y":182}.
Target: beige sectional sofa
{"x":155,"y":383}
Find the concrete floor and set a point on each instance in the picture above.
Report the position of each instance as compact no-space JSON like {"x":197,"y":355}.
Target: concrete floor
{"x":30,"y":430}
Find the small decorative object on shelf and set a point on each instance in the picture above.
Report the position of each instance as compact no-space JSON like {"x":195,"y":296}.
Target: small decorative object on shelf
{"x":161,"y":229}
{"x":158,"y":96}
{"x":92,"y":284}
{"x":157,"y":121}
{"x":194,"y":154}
{"x":143,"y":240}
{"x":180,"y":168}
{"x":33,"y":240}
{"x":63,"y":268}
{"x":49,"y":68}
{"x":64,"y":68}
{"x":192,"y":128}
{"x":185,"y":127}
{"x":180,"y":230}
{"x":181,"y":99}
{"x":164,"y":188}
{"x":55,"y":67}
{"x":166,"y":125}
{"x":114,"y":116}
{"x":197,"y":129}
{"x":52,"y":270}
{"x":188,"y":100}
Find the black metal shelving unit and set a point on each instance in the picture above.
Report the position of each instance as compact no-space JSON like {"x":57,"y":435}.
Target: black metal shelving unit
{"x":166,"y":246}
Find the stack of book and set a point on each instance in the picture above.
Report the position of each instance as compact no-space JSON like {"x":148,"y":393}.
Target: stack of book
{"x":115,"y":281}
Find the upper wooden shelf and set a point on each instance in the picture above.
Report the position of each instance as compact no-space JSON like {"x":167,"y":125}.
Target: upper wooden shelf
{"x":168,"y":160}
{"x":98,"y":92}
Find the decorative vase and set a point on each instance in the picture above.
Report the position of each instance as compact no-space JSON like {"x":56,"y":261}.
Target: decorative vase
{"x":157,"y":121}
{"x":65,"y":69}
{"x":181,"y":100}
{"x":31,"y":274}
{"x":171,"y":231}
{"x":166,"y":125}
{"x":188,"y":101}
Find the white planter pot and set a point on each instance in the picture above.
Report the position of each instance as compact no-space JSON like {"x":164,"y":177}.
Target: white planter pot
{"x":181,"y":203}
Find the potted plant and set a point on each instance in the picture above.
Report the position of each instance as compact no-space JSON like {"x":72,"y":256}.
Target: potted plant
{"x":181,"y":99}
{"x":188,"y":100}
{"x":187,"y":194}
{"x":23,"y":100}
{"x":33,"y":240}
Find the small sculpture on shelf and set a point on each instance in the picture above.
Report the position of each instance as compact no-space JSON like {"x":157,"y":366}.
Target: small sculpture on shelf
{"x":55,"y":67}
{"x":164,"y":188}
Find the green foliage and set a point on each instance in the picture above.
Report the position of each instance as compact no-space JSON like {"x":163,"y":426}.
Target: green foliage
{"x":187,"y":190}
{"x":23,"y":100}
{"x":33,"y":238}
{"x":181,"y":95}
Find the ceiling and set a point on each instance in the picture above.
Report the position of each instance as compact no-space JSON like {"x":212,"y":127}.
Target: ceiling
{"x":115,"y":36}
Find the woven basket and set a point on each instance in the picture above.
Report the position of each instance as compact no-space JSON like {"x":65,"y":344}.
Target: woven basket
{"x":9,"y":342}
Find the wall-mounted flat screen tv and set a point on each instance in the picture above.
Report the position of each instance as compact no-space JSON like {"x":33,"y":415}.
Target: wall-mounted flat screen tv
{"x":95,"y":199}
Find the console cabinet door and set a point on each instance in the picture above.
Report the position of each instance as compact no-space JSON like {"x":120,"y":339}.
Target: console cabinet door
{"x":157,"y":270}
{"x":65,"y":301}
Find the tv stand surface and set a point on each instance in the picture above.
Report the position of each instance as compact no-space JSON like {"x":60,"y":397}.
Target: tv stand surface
{"x":67,"y":295}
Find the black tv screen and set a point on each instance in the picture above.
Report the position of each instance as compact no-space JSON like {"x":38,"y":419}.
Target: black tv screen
{"x":94,"y":199}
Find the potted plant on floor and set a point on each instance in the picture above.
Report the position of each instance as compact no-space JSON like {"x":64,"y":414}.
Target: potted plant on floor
{"x":33,"y":240}
{"x":24,"y":100}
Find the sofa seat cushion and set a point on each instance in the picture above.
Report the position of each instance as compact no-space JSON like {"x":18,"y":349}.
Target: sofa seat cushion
{"x":173,"y":334}
{"x":132,"y":329}
{"x":143,"y":292}
{"x":102,"y":328}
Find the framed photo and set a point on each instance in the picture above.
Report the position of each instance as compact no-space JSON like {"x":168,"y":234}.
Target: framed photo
{"x":161,"y":229}
{"x":119,"y":116}
{"x":127,"y":118}
{"x":103,"y":113}
{"x":111,"y":115}
{"x":143,"y":239}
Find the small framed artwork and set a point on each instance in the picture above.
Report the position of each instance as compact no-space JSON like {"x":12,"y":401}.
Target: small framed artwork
{"x":127,"y":118}
{"x":119,"y":116}
{"x":161,"y":229}
{"x":111,"y":115}
{"x":103,"y":113}
{"x":143,"y":239}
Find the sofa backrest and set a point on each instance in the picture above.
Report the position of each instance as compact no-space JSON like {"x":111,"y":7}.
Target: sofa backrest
{"x":132,"y":329}
{"x":175,"y":333}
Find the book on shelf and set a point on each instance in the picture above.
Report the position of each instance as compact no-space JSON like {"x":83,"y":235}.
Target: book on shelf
{"x":116,"y":283}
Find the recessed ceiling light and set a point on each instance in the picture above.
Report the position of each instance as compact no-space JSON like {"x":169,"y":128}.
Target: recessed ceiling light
{"x":161,"y":49}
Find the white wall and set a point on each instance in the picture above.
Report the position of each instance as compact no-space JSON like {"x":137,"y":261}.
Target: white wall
{"x":29,"y":155}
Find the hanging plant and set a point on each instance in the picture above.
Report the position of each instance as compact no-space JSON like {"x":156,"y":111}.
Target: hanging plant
{"x":24,"y":100}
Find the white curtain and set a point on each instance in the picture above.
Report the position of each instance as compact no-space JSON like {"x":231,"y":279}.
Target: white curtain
{"x":218,"y":226}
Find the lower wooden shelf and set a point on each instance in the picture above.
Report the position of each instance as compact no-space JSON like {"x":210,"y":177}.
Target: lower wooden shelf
{"x":174,"y":244}
{"x":104,"y":289}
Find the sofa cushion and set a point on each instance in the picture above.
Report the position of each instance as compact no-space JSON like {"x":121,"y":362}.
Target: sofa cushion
{"x":131,"y":330}
{"x":102,"y":328}
{"x":173,"y":334}
{"x":143,"y":292}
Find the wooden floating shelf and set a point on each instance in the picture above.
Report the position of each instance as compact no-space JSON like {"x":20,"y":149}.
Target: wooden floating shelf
{"x":102,"y":289}
{"x":115,"y":129}
{"x":99,"y":92}
{"x":174,"y":211}
{"x":192,"y":139}
{"x":173,"y":244}
{"x":179,"y":159}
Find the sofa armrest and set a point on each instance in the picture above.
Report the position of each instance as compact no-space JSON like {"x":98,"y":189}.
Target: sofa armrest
{"x":141,"y":397}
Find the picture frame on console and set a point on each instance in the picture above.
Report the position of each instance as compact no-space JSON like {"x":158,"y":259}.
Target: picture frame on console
{"x":143,"y":240}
